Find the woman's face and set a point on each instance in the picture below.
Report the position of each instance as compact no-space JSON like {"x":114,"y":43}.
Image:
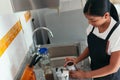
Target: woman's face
{"x":96,"y":21}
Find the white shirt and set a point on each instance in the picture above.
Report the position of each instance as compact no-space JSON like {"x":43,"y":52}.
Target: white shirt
{"x":114,"y":40}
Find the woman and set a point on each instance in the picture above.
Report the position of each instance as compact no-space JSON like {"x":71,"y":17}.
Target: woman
{"x":103,"y":42}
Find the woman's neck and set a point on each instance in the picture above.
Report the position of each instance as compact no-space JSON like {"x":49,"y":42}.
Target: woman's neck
{"x":104,"y":26}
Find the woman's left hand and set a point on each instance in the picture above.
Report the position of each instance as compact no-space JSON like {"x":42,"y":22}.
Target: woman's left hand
{"x":77,"y":74}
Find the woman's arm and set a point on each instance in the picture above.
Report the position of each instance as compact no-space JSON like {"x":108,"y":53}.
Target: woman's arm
{"x":78,"y":59}
{"x":83,"y":55}
{"x":113,"y":67}
{"x":109,"y":69}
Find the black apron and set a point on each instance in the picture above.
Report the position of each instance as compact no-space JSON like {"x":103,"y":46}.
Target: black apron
{"x":99,"y":56}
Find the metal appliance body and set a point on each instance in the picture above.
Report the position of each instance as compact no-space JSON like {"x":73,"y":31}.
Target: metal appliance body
{"x":23,"y":5}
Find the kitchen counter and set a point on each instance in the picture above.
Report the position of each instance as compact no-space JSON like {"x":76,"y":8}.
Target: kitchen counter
{"x":82,"y":65}
{"x":38,"y":72}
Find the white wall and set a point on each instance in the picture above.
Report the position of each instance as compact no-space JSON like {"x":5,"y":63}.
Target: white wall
{"x":69,"y":26}
{"x":27,"y":28}
{"x":14,"y":54}
{"x":5,"y":7}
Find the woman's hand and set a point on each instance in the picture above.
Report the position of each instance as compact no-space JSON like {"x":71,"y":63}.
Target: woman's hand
{"x":68,"y":59}
{"x":77,"y":74}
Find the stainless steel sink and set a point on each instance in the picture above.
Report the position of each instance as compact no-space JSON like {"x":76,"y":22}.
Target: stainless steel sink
{"x":60,"y":52}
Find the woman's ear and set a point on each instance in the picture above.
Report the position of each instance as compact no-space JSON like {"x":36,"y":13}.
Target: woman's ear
{"x":106,"y":15}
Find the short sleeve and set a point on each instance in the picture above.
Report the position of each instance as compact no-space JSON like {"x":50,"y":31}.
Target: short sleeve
{"x":89,"y":29}
{"x":115,"y":40}
{"x":116,"y":45}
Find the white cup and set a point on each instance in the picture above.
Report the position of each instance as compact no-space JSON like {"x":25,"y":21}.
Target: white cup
{"x":70,"y":66}
{"x":63,"y":76}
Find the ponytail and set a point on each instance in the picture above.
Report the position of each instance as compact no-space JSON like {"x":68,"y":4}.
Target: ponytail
{"x":113,"y":12}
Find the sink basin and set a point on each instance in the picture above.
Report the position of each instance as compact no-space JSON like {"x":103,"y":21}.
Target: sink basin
{"x":59,"y":52}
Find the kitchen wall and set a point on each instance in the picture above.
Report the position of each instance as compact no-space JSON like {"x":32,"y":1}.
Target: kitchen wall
{"x":15,"y":39}
{"x":69,"y":26}
{"x":5,"y":7}
{"x":65,"y":13}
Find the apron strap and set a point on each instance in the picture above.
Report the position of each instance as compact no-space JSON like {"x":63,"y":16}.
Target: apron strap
{"x":115,"y":26}
{"x":92,"y":29}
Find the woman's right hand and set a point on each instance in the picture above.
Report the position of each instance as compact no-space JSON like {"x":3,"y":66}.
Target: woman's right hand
{"x":70,"y":59}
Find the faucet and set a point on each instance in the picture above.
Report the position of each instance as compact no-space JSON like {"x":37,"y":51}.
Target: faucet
{"x":40,"y":28}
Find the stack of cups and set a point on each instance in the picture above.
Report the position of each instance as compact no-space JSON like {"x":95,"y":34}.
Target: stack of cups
{"x":62,"y":74}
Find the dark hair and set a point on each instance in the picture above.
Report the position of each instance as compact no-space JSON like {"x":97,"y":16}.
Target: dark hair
{"x":100,"y":7}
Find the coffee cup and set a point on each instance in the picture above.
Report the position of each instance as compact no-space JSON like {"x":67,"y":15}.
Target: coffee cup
{"x":71,"y":66}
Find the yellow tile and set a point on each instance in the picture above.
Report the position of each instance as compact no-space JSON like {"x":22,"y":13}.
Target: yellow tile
{"x":9,"y":37}
{"x":27,"y":16}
